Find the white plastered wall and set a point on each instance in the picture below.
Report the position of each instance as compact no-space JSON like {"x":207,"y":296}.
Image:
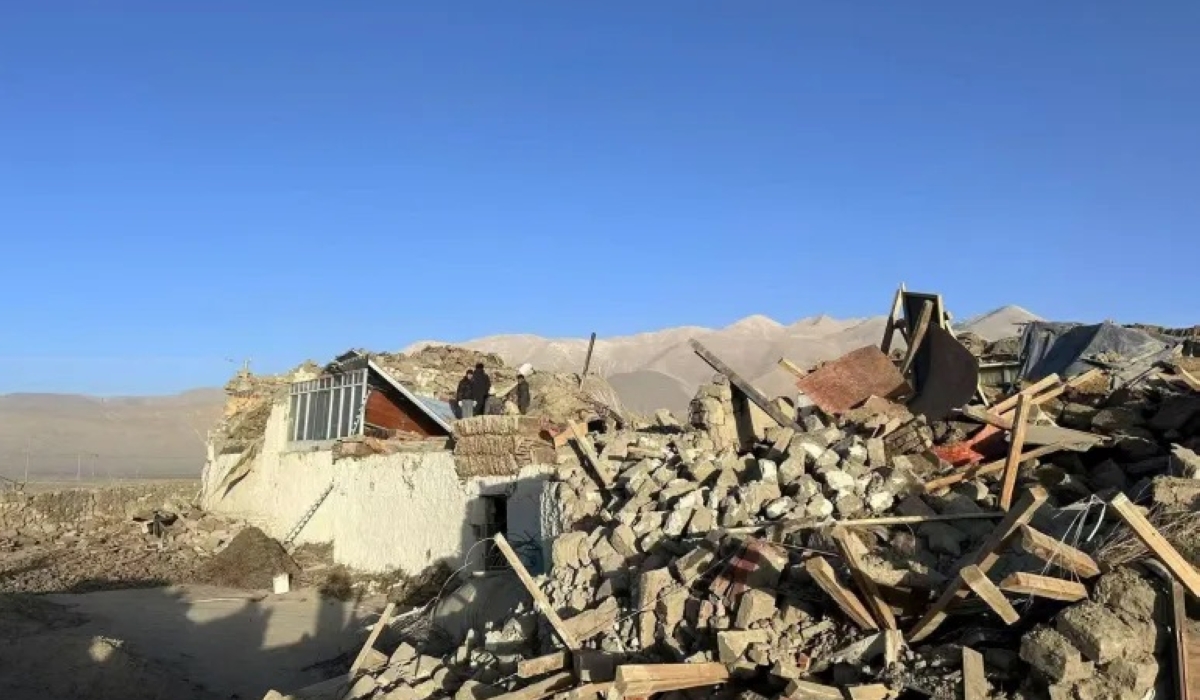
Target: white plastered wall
{"x":385,"y":512}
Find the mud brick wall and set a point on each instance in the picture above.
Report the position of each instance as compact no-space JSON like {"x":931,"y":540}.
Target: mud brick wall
{"x":50,"y":510}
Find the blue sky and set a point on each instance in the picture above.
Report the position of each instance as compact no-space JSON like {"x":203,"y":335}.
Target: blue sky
{"x":186,"y":182}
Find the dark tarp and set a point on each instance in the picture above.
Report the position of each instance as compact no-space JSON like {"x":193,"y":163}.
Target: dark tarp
{"x":1061,"y":348}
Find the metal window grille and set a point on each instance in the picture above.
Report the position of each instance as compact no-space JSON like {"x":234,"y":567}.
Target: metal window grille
{"x":328,"y":408}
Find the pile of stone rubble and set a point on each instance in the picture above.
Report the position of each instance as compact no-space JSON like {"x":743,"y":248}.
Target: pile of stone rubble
{"x":998,"y":554}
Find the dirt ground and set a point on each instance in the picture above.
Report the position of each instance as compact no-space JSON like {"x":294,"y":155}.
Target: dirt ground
{"x":180,"y":642}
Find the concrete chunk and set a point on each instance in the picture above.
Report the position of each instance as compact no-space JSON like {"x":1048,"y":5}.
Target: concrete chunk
{"x":732,"y":645}
{"x":754,"y":605}
{"x":1097,"y":632}
{"x":1054,"y":656}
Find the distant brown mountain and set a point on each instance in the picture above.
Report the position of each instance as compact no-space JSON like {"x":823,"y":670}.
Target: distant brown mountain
{"x":60,"y":435}
{"x":659,"y":369}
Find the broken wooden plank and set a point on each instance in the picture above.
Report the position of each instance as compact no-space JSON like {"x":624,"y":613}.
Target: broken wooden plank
{"x":1179,"y":621}
{"x":983,"y":587}
{"x":975,"y":685}
{"x":893,"y":644}
{"x":583,"y":442}
{"x":825,"y":577}
{"x":989,"y":468}
{"x":1038,"y":434}
{"x":792,"y":367}
{"x":539,"y":598}
{"x":1031,"y":391}
{"x":369,"y":645}
{"x":590,"y":691}
{"x":557,"y":683}
{"x":847,"y":382}
{"x":635,"y":680}
{"x":853,"y":550}
{"x":744,"y":386}
{"x":1012,"y":462}
{"x":540,"y":666}
{"x":1044,"y":587}
{"x":983,"y":558}
{"x":917,"y":336}
{"x":1060,"y":554}
{"x":1162,"y":549}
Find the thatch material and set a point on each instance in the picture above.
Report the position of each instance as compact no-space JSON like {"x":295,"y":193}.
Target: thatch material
{"x":469,"y":466}
{"x":487,"y":425}
{"x":487,"y":445}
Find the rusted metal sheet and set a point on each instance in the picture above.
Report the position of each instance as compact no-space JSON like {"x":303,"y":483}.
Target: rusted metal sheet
{"x":846,"y":382}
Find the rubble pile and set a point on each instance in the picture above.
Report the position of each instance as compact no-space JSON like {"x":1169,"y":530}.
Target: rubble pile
{"x":822,"y":557}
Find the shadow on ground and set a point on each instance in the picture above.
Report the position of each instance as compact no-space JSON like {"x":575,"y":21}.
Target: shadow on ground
{"x":179,"y":642}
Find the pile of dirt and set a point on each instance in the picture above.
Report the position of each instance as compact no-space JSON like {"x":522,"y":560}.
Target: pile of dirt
{"x":252,"y":560}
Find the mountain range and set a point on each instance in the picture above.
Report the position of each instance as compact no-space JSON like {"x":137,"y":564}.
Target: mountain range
{"x":62,"y":435}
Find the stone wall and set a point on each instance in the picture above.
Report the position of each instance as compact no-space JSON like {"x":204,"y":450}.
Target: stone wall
{"x":49,"y":511}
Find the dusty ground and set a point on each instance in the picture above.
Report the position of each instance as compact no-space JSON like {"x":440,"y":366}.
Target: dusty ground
{"x":183,"y":643}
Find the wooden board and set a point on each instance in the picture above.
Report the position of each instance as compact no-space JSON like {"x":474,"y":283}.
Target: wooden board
{"x":638,"y":680}
{"x":1012,"y":462}
{"x":825,"y":577}
{"x":853,"y":550}
{"x":744,"y":386}
{"x":540,"y":666}
{"x":984,"y":558}
{"x":539,"y":598}
{"x":1162,"y":549}
{"x":369,"y":645}
{"x":975,"y":685}
{"x":583,"y":442}
{"x":1059,"y":554}
{"x":1044,"y":587}
{"x":983,"y":587}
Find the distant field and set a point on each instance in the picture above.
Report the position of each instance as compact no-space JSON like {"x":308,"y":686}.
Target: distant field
{"x":58,"y":484}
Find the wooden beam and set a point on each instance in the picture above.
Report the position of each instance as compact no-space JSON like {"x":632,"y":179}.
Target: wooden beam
{"x":983,"y":587}
{"x":1186,"y":377}
{"x":1162,"y":549}
{"x":975,"y":685}
{"x":587,"y":362}
{"x":791,"y":367}
{"x":539,"y":598}
{"x":1012,"y":462}
{"x":917,"y":336}
{"x":983,"y":558}
{"x":580,"y":437}
{"x":557,"y":683}
{"x":889,"y":329}
{"x":1183,"y":685}
{"x":369,"y":645}
{"x":540,"y":666}
{"x":1031,"y":391}
{"x":989,"y":468}
{"x":745,"y":387}
{"x":852,"y":550}
{"x":1044,"y":587}
{"x":637,"y":680}
{"x":1060,"y":554}
{"x":825,"y":577}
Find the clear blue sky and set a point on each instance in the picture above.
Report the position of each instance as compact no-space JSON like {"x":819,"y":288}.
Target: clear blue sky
{"x":186,"y":182}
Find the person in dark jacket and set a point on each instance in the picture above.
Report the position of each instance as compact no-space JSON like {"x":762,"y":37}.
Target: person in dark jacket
{"x":481,"y":386}
{"x":462,"y":393}
{"x":522,"y":394}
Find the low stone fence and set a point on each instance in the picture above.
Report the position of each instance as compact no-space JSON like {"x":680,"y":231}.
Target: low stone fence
{"x":47,"y":511}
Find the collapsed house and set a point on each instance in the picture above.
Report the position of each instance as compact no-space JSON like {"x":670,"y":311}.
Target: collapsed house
{"x":351,"y":454}
{"x":889,"y":537}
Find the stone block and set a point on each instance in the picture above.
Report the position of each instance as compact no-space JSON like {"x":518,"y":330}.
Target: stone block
{"x":1098,"y":633}
{"x":778,"y":508}
{"x":651,"y":585}
{"x":755,"y":605}
{"x":624,"y":541}
{"x":733,"y":644}
{"x":790,"y":470}
{"x":1053,"y":655}
{"x":876,"y":453}
{"x":1127,"y":593}
{"x":839,"y":481}
{"x":692,"y":565}
{"x":819,"y":507}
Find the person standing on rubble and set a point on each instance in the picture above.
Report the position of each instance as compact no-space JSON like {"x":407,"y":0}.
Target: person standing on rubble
{"x":522,"y":394}
{"x":463,"y":404}
{"x":481,"y":386}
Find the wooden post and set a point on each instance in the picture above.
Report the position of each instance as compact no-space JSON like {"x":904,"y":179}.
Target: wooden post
{"x":1044,"y":587}
{"x":640,"y":680}
{"x":1059,"y":554}
{"x":539,"y":598}
{"x":745,"y":387}
{"x":917,"y":336}
{"x":983,"y":587}
{"x":890,"y":328}
{"x":587,"y":362}
{"x":791,"y":367}
{"x":984,"y":558}
{"x":369,"y":645}
{"x":975,"y":685}
{"x":1013,"y":463}
{"x":580,"y":437}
